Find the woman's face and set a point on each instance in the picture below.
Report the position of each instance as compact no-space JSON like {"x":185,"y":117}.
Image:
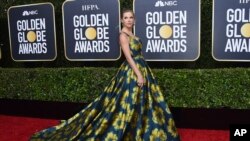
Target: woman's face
{"x":128,"y":19}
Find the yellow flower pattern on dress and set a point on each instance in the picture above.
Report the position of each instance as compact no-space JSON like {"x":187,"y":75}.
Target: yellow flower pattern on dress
{"x":158,"y":116}
{"x":171,"y":128}
{"x":111,"y":137}
{"x":122,"y":112}
{"x":119,"y":121}
{"x":103,"y":126}
{"x":158,"y":135}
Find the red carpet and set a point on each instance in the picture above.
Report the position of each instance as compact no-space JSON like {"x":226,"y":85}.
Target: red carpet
{"x":14,"y":128}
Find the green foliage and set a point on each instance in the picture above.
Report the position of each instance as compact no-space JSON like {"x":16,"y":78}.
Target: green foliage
{"x":206,"y":88}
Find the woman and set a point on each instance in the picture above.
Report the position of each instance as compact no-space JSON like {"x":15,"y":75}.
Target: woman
{"x":130,"y":108}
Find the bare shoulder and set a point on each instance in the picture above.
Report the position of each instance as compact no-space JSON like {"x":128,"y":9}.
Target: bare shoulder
{"x":123,"y":38}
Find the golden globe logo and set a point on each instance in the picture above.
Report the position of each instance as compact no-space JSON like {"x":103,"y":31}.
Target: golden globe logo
{"x":91,"y":33}
{"x":238,"y":26}
{"x":31,"y":36}
{"x":245,"y":30}
{"x":166,"y":31}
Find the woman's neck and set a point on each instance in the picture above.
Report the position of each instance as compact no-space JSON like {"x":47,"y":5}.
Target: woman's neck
{"x":128,"y":31}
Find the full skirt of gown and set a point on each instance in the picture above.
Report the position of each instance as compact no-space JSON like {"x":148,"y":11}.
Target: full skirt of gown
{"x":123,"y":112}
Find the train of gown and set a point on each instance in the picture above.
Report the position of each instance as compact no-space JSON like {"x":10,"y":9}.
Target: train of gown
{"x":123,"y":111}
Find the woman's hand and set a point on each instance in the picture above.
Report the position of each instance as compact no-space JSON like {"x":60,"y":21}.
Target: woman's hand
{"x":140,"y":81}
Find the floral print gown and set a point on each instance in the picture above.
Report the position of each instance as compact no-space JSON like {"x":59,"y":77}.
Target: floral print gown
{"x":123,"y":112}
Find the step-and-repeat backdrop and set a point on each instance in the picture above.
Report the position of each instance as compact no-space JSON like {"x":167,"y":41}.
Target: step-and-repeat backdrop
{"x":169,"y":30}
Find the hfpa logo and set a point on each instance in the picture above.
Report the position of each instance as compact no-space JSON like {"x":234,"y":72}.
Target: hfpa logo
{"x":244,"y":1}
{"x":28,"y":13}
{"x":160,"y":3}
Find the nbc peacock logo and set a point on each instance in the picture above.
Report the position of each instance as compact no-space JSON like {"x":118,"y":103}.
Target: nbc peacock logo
{"x":161,"y":3}
{"x":28,"y":13}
